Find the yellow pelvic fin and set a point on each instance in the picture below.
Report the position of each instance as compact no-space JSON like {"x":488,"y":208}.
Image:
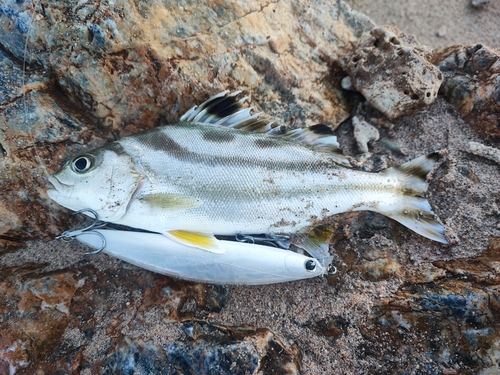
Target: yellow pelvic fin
{"x":203,"y":241}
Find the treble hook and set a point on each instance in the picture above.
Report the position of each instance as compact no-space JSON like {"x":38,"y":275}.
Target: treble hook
{"x":70,"y":235}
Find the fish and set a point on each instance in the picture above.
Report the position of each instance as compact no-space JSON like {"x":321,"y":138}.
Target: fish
{"x":222,"y":170}
{"x":242,"y":263}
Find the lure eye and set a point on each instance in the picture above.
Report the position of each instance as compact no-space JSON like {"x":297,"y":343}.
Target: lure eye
{"x":310,"y":265}
{"x":82,"y":164}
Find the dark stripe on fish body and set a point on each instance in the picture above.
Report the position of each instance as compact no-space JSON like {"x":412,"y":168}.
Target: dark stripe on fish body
{"x":158,"y":140}
{"x":266,"y":143}
{"x":218,"y":137}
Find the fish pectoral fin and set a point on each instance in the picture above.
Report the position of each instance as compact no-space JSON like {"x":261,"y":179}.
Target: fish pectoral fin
{"x":170,"y":201}
{"x":204,"y":241}
{"x":316,"y":242}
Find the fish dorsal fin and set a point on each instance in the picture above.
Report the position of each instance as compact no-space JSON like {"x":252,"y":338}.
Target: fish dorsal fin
{"x":224,"y":109}
{"x":203,"y":241}
{"x":319,"y":137}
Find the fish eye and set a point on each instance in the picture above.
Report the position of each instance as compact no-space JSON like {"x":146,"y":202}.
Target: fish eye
{"x":82,"y":164}
{"x":310,"y":265}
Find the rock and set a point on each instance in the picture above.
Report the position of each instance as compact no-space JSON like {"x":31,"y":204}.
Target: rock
{"x":347,"y":84}
{"x":225,"y":350}
{"x":472,"y":85}
{"x":364,"y":133}
{"x":479,"y":3}
{"x":484,"y":151}
{"x":209,"y":349}
{"x":442,"y":31}
{"x":57,"y":314}
{"x":453,"y":317}
{"x":392,"y":71}
{"x":399,"y":303}
{"x":94,"y":75}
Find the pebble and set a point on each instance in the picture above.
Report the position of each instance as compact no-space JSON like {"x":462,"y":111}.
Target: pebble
{"x":487,"y":152}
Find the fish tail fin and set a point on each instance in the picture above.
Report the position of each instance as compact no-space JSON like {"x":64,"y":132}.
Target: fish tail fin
{"x":413,"y":210}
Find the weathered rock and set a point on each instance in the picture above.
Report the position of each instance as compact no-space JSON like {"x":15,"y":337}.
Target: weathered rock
{"x":392,"y":71}
{"x":364,"y":133}
{"x":112,"y":75}
{"x":484,"y":151}
{"x":57,"y":314}
{"x":209,"y":349}
{"x":453,"y":316}
{"x":472,"y":85}
{"x":480,"y":3}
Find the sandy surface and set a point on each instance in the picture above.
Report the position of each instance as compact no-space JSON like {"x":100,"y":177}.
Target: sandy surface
{"x":437,"y":23}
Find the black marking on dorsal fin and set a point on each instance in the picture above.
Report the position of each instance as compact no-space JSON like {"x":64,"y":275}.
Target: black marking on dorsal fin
{"x":321,"y":129}
{"x":224,"y":109}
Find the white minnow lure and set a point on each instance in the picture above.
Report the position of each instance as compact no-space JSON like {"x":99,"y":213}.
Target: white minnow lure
{"x":241,"y":263}
{"x":222,"y":171}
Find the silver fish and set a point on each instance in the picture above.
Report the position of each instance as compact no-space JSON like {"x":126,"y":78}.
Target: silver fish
{"x":222,"y":171}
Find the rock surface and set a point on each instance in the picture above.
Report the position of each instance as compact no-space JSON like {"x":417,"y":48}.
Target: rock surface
{"x":472,"y":85}
{"x":97,"y":71}
{"x":392,"y":71}
{"x":95,"y":75}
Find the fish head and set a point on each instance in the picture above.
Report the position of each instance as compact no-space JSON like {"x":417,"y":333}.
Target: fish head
{"x":103,"y":180}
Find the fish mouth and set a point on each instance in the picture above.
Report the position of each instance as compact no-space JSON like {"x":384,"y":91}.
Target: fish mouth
{"x":60,"y":189}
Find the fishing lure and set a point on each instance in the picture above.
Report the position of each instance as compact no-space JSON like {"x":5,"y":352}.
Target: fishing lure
{"x":241,"y":263}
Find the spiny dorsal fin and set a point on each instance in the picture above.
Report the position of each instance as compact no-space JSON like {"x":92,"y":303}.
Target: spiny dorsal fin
{"x":223,"y":109}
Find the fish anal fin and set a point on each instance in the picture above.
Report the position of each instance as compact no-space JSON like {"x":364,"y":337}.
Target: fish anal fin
{"x":204,"y":241}
{"x":316,"y":242}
